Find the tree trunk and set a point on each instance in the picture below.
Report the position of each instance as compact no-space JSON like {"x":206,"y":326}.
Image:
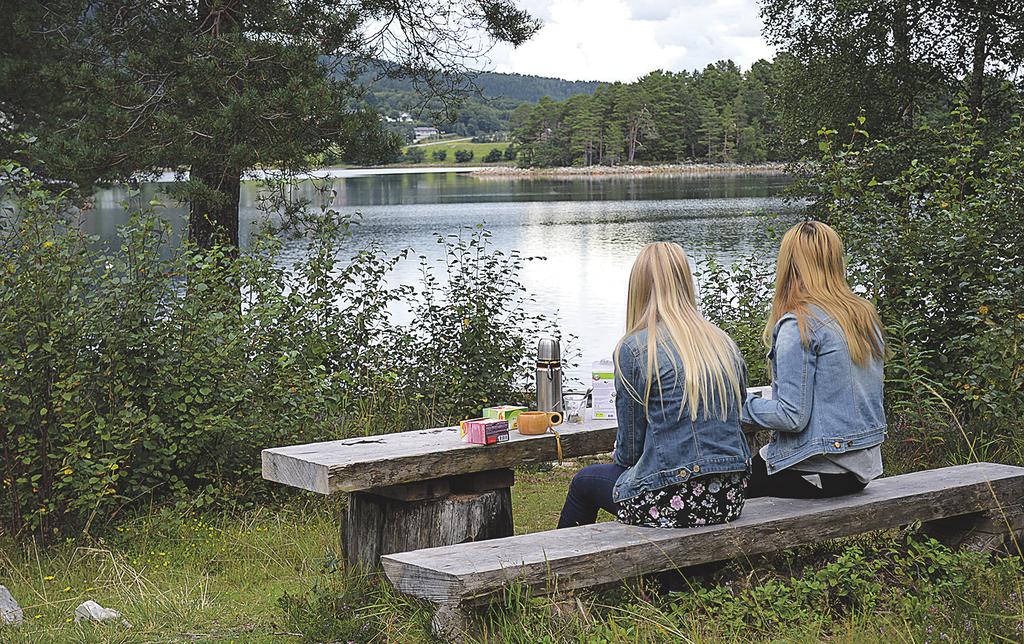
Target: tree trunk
{"x":215,"y":194}
{"x":213,"y":215}
{"x":633,"y":133}
{"x":16,"y":525}
{"x":427,"y":514}
{"x":901,"y":54}
{"x":980,"y":57}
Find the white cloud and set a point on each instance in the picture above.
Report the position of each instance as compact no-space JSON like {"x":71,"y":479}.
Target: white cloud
{"x":624,"y":39}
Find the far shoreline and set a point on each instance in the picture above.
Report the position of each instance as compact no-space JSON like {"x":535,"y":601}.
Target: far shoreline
{"x":627,"y":171}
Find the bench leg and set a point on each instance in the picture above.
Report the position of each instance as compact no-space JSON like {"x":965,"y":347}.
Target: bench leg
{"x":375,"y":524}
{"x":990,"y":531}
{"x":452,"y":624}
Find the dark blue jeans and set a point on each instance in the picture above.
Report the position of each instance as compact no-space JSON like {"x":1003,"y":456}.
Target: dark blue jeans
{"x":590,"y":490}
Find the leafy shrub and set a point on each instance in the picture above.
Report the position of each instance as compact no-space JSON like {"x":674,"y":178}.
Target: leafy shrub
{"x":738,"y":299}
{"x":909,"y":578}
{"x":439,"y":155}
{"x":151,"y":374}
{"x":511,"y":152}
{"x":463,"y":156}
{"x":414,"y":155}
{"x":938,"y":244}
{"x":473,"y":329}
{"x":493,"y":156}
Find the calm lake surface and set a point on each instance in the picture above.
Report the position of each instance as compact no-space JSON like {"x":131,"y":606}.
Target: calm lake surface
{"x":588,"y":230}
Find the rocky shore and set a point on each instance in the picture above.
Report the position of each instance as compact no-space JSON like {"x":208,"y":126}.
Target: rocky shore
{"x":597,"y":171}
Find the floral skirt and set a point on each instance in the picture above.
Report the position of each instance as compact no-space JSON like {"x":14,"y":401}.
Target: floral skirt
{"x":705,"y":500}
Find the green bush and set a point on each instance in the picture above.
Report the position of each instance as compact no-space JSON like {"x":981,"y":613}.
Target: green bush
{"x":938,"y":244}
{"x":414,"y":155}
{"x":463,"y":156}
{"x":493,"y":156}
{"x":738,"y":299}
{"x":474,"y":336}
{"x":154,"y":374}
{"x":936,"y":240}
{"x":439,"y":155}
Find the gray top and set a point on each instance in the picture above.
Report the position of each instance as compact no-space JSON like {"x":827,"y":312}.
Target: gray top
{"x":865,"y":464}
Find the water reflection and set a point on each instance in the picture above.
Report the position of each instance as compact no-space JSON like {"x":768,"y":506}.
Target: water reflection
{"x":589,"y":230}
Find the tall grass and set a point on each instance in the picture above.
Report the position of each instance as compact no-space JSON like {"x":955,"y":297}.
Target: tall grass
{"x":275,"y":576}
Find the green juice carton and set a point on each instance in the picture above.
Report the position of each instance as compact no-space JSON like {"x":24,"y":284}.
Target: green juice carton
{"x":505,"y":412}
{"x":603,"y":383}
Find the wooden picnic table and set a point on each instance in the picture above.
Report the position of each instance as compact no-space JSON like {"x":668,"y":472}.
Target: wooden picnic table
{"x":426,"y":488}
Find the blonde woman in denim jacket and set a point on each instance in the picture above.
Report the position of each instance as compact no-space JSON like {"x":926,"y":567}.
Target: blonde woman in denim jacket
{"x":681,"y":458}
{"x":827,"y":350}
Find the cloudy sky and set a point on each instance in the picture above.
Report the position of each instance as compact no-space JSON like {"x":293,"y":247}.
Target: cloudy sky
{"x":612,"y":40}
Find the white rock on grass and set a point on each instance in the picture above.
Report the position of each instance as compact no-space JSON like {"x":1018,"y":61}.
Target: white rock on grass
{"x":93,"y":612}
{"x":10,"y":612}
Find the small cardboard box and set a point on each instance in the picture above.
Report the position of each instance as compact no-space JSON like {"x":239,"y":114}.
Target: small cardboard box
{"x":505,"y":412}
{"x":603,"y":383}
{"x":484,"y":431}
{"x":463,"y":426}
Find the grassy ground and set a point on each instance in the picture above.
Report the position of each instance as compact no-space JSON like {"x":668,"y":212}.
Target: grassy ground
{"x":479,"y":151}
{"x":274,"y":576}
{"x":187,"y":577}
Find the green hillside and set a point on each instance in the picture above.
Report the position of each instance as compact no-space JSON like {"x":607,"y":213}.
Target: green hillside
{"x":490,"y":99}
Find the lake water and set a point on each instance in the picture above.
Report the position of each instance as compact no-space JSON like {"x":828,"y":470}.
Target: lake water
{"x":589,"y":230}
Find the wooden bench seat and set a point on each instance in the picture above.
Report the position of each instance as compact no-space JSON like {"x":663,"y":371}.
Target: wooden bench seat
{"x":979,"y":502}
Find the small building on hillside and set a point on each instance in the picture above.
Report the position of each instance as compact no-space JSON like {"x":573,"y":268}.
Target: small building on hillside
{"x":420,"y":133}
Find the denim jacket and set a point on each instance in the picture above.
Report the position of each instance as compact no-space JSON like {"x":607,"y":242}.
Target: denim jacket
{"x":662,"y":446}
{"x":822,"y":402}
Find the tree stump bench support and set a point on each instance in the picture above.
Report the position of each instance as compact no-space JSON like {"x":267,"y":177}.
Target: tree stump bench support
{"x":976,"y":505}
{"x":437,"y":512}
{"x":996,"y":531}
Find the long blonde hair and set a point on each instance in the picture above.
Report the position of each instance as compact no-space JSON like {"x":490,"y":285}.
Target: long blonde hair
{"x":661,"y":301}
{"x":811,"y":270}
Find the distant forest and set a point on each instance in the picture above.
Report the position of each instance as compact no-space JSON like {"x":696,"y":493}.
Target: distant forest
{"x":720,"y":114}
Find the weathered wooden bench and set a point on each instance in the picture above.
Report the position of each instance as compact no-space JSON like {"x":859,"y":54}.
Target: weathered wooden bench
{"x":976,"y":505}
{"x":424,"y":488}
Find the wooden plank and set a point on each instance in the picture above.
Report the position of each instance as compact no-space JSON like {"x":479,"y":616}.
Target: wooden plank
{"x":390,"y":459}
{"x":418,"y":491}
{"x":483,"y":481}
{"x":459,"y":484}
{"x":607,"y":552}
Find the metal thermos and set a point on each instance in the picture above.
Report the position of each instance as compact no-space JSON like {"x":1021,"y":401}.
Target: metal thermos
{"x":549,"y":376}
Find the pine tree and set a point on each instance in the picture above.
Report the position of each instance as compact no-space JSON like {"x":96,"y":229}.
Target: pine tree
{"x":109,"y":89}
